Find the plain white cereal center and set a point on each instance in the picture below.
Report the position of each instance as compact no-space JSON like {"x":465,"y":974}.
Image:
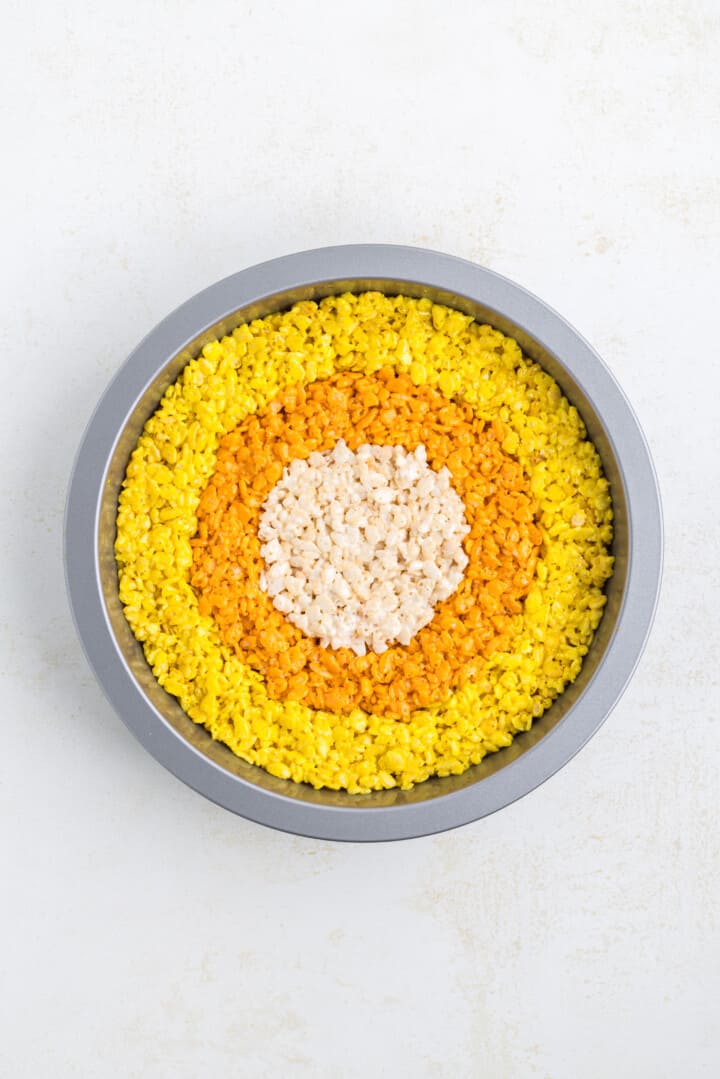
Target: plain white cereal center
{"x":359,"y":547}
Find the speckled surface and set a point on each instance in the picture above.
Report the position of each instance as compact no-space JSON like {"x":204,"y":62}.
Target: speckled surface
{"x":156,"y":148}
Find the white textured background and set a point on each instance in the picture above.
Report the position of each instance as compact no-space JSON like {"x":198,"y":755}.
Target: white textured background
{"x":151,"y":148}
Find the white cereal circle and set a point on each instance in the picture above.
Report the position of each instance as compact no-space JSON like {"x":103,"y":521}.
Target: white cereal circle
{"x":359,"y":547}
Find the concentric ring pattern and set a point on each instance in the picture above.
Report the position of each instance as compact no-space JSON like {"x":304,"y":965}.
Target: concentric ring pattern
{"x":390,"y":371}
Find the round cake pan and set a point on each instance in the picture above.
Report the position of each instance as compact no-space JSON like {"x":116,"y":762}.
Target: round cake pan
{"x":186,"y":748}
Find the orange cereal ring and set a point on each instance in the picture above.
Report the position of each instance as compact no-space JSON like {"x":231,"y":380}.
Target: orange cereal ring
{"x":502,"y":544}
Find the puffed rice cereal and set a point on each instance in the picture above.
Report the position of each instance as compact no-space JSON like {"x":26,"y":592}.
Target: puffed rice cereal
{"x":360,"y":547}
{"x":384,"y":371}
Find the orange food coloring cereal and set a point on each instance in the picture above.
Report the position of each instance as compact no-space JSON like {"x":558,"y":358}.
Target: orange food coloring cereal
{"x":502,"y":544}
